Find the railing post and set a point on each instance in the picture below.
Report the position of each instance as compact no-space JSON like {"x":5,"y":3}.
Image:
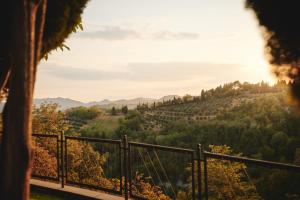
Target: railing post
{"x":199,"y":150}
{"x":121,"y":168}
{"x":125,"y":147}
{"x":62,"y":158}
{"x":129,"y":170}
{"x":205,"y":176}
{"x":193,"y":176}
{"x":57,"y":158}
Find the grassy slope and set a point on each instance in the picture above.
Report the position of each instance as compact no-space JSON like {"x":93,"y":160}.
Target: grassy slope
{"x":40,"y":196}
{"x":107,"y":124}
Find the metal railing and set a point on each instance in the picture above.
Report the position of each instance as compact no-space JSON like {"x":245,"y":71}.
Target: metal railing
{"x":117,"y":166}
{"x":166,"y":175}
{"x":206,"y":156}
{"x":112,"y":170}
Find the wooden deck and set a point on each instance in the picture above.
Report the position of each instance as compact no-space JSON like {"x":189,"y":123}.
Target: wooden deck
{"x":72,"y":192}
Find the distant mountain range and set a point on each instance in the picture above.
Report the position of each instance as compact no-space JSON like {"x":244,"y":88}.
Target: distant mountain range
{"x":66,"y":103}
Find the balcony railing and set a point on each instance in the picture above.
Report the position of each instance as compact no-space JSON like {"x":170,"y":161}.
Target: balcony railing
{"x":126,"y":168}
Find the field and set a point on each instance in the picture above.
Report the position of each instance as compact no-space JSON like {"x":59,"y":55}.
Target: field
{"x":103,"y":126}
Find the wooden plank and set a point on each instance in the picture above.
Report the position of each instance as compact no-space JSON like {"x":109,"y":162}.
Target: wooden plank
{"x":74,"y":191}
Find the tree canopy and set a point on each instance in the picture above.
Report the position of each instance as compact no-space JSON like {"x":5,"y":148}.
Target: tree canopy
{"x":62,"y":18}
{"x":280,"y":27}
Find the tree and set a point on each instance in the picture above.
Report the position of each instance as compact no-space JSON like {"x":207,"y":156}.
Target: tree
{"x":22,"y":47}
{"x":187,"y":98}
{"x":124,"y":110}
{"x":141,"y":187}
{"x":44,"y":161}
{"x":278,"y":20}
{"x":226,"y":180}
{"x":202,"y":96}
{"x":113,"y":111}
{"x":84,"y":113}
{"x":48,"y":120}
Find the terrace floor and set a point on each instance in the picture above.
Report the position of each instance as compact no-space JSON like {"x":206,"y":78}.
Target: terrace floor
{"x":78,"y":193}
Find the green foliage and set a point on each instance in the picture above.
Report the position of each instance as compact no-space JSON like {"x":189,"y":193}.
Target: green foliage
{"x":103,"y":127}
{"x":124,"y":110}
{"x":62,"y":18}
{"x":187,"y":98}
{"x":113,"y":111}
{"x":130,"y":125}
{"x":79,"y":117}
{"x":209,"y":105}
{"x":83,"y":113}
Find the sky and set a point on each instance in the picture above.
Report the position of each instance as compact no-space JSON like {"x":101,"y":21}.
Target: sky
{"x":153,"y":48}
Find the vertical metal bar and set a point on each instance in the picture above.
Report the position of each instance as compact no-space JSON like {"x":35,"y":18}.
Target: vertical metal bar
{"x":193,"y":176}
{"x":66,"y":159}
{"x":62,"y":159}
{"x":120,"y":165}
{"x":199,"y":171}
{"x":125,"y":145}
{"x":205,"y":176}
{"x":57,"y":157}
{"x":129,"y":170}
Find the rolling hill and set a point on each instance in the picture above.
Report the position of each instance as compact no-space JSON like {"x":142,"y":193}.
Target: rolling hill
{"x":209,"y":104}
{"x":65,"y":103}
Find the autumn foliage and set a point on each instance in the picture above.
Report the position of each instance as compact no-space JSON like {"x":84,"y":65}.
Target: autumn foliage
{"x":85,"y":164}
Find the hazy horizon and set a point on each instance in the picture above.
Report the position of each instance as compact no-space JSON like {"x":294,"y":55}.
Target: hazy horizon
{"x":137,"y":97}
{"x":155,"y":48}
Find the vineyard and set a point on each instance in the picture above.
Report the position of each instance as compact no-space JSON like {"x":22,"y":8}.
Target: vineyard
{"x":208,"y":106}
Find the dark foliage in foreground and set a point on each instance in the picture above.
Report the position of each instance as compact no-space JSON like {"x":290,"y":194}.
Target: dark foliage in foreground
{"x":280,"y":22}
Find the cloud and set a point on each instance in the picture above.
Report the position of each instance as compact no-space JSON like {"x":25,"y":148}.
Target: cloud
{"x":151,"y":72}
{"x":79,"y":74}
{"x":163,"y":35}
{"x":112,"y":33}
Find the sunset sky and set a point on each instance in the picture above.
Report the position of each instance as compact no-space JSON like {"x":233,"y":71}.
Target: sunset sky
{"x":152,"y":48}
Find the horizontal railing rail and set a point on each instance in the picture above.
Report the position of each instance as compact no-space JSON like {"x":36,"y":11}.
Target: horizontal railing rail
{"x":164,"y":148}
{"x":45,"y":135}
{"x":257,"y":162}
{"x":93,"y":139}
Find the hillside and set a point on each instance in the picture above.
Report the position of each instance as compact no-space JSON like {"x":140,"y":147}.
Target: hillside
{"x":209,"y":104}
{"x":155,"y":115}
{"x":253,"y":119}
{"x":66,"y":103}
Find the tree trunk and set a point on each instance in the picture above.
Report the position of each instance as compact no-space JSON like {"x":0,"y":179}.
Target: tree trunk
{"x":16,"y":142}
